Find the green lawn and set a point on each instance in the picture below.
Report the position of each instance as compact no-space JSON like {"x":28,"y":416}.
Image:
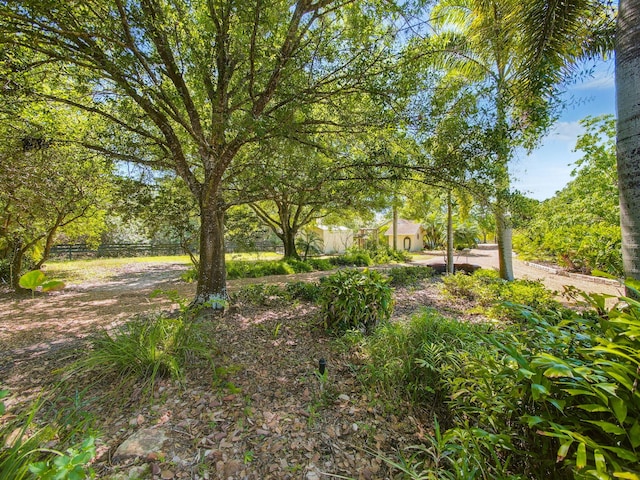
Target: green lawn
{"x":76,"y":271}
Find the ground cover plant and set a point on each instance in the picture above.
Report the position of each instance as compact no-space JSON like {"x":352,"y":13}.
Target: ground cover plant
{"x":57,"y":446}
{"x":551,"y":395}
{"x":147,"y":348}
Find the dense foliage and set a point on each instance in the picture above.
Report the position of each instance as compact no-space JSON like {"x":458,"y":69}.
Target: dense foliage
{"x":588,"y":237}
{"x":553,"y":395}
{"x":353,"y":299}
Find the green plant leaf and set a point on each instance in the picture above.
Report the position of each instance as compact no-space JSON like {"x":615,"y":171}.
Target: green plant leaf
{"x":634,"y":435}
{"x":32,"y":279}
{"x":601,"y":464}
{"x":628,"y":475}
{"x":581,"y":456}
{"x":538,"y":391}
{"x":558,"y":370}
{"x":51,"y":285}
{"x":608,"y":427}
{"x":563,"y":450}
{"x":619,"y":408}
{"x":593,"y":407}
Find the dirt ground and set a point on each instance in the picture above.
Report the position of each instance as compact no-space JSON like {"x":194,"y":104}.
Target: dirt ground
{"x":267,"y":417}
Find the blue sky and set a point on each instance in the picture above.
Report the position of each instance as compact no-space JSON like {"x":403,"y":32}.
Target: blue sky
{"x":548,"y":168}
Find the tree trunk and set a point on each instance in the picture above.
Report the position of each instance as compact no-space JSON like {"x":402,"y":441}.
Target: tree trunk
{"x":628,"y":132}
{"x":505,"y":244}
{"x":395,"y":226}
{"x":289,"y":242}
{"x":212,"y":274}
{"x":449,"y":234}
{"x":16,"y":266}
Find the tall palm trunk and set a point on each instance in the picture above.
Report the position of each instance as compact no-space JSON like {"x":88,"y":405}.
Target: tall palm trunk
{"x":628,"y":132}
{"x":449,"y":233}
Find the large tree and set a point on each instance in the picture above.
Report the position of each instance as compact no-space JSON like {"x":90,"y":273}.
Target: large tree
{"x":194,"y":83}
{"x":628,"y":132}
{"x":48,"y":185}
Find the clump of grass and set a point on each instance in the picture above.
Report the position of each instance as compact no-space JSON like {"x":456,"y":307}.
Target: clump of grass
{"x":147,"y":348}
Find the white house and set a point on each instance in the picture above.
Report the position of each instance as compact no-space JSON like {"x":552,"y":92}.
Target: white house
{"x":410,"y":236}
{"x":334,"y":239}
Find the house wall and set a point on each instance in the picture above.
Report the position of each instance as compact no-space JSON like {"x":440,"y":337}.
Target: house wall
{"x":337,"y":241}
{"x":417,"y":242}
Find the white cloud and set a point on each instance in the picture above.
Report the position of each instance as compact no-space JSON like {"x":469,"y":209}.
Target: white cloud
{"x":565,"y":132}
{"x":600,"y":81}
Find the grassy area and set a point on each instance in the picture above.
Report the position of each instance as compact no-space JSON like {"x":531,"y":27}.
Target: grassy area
{"x":76,"y":271}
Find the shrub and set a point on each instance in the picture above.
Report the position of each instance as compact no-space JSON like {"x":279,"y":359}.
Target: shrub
{"x":407,"y":276}
{"x":351,"y":299}
{"x":31,"y":450}
{"x":354,"y":258}
{"x":564,"y":392}
{"x":383,"y":254}
{"x":320,"y":264}
{"x":303,"y":291}
{"x":499,"y":298}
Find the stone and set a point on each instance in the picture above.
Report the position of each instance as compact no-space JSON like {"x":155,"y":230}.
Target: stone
{"x":142,"y":444}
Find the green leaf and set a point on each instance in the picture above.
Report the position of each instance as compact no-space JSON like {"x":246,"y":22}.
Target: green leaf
{"x":558,"y":370}
{"x":531,"y":420}
{"x":634,"y":435}
{"x":619,"y":408}
{"x":51,"y":285}
{"x":563,"y":450}
{"x":608,"y":427}
{"x":593,"y":407}
{"x":601,"y":464}
{"x":628,"y":475}
{"x":581,"y":456}
{"x":526,"y":373}
{"x":559,"y":404}
{"x":538,"y":391}
{"x":623,"y":453}
{"x":37,"y":468}
{"x":32,"y":279}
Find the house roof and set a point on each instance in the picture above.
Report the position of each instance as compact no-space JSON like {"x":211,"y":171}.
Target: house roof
{"x":405,"y":227}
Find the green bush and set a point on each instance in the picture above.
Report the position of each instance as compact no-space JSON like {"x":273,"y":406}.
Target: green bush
{"x":354,"y":258}
{"x":303,"y":291}
{"x":565,"y":392}
{"x":580,"y":248}
{"x":499,"y":298}
{"x":407,"y":276}
{"x":383,"y":254}
{"x":413,"y":359}
{"x":352,"y":299}
{"x":320,"y":264}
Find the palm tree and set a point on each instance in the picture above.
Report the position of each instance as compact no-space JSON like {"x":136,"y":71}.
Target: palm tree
{"x":479,"y":40}
{"x":521,"y":50}
{"x":628,"y":127}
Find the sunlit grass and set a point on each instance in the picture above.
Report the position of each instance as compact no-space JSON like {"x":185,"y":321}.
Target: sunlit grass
{"x":96,"y":269}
